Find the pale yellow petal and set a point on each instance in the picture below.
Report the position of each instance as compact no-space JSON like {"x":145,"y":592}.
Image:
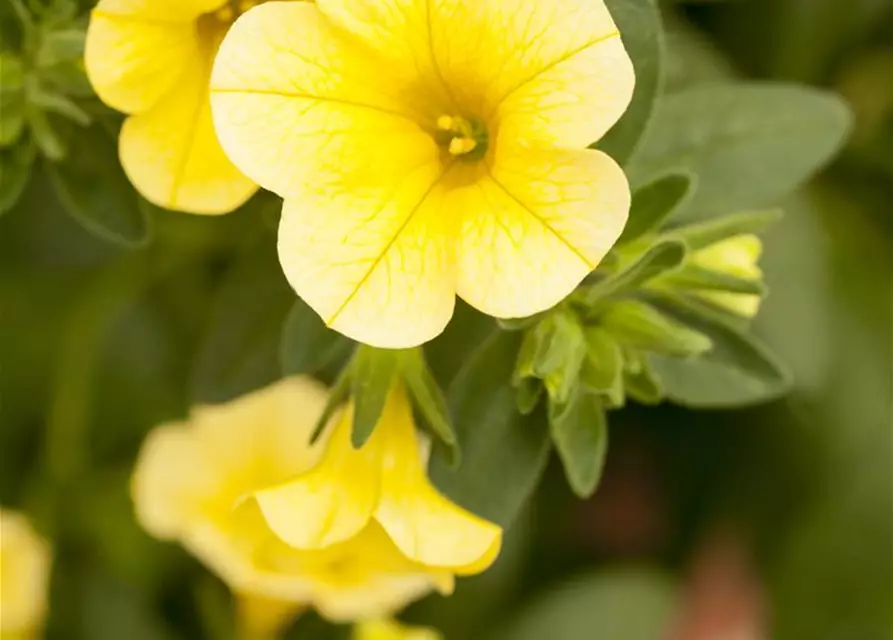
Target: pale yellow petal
{"x":160,"y":10}
{"x":303,"y":111}
{"x":173,"y":481}
{"x":25,"y":559}
{"x":558,"y":67}
{"x":425,"y":525}
{"x":132,"y":62}
{"x":172,"y":155}
{"x":333,"y":501}
{"x":391,"y":630}
{"x":536,"y":226}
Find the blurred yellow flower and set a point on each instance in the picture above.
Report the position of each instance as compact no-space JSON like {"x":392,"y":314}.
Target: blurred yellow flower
{"x":193,"y":483}
{"x":428,"y":149}
{"x":263,"y":618}
{"x":383,"y":484}
{"x":24,"y":578}
{"x":736,"y":256}
{"x":152,"y":59}
{"x":390,"y":630}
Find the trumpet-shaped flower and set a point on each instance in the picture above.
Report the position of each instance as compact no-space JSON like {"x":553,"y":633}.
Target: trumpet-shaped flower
{"x":429,"y":148}
{"x":152,"y":59}
{"x":24,"y":577}
{"x":736,"y":256}
{"x":391,"y":630}
{"x":383,"y":484}
{"x":193,"y":483}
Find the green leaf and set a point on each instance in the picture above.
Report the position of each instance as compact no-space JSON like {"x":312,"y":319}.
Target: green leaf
{"x":338,"y":395}
{"x":64,"y":45}
{"x":61,"y":105}
{"x":640,"y":27}
{"x":693,"y":277}
{"x":641,"y":326}
{"x":95,"y":191}
{"x":579,"y":431}
{"x":12,"y":119}
{"x":530,"y":390}
{"x":309,"y":347}
{"x":738,"y":371}
{"x":240,"y":352}
{"x":620,"y":604}
{"x":704,"y":234}
{"x":561,"y":355}
{"x":12,"y":75}
{"x":749,"y":145}
{"x":428,"y":399}
{"x":603,"y":369}
{"x":44,"y":135}
{"x":15,"y":170}
{"x":665,"y":255}
{"x":373,"y":373}
{"x":641,"y":382}
{"x":503,"y":453}
{"x":654,"y":203}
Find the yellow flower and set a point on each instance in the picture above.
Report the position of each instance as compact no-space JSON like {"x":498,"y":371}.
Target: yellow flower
{"x":383,"y":484}
{"x":736,"y":256}
{"x":24,"y":577}
{"x":390,"y":630}
{"x":193,"y":483}
{"x":263,"y":618}
{"x":152,"y":59}
{"x":427,"y":149}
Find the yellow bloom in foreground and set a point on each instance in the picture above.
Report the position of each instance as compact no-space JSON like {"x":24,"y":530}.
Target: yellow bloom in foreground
{"x":152,"y":59}
{"x":429,"y":148}
{"x":24,"y":578}
{"x":390,"y":630}
{"x":194,"y":483}
{"x":383,"y":485}
{"x":263,"y":618}
{"x":736,"y":256}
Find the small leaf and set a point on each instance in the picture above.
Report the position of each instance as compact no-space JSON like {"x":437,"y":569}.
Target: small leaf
{"x":48,"y":141}
{"x":503,"y":453}
{"x":603,"y":369}
{"x":12,"y":75}
{"x":530,"y":390}
{"x":428,"y":398}
{"x":59,"y":104}
{"x":738,"y":371}
{"x":15,"y":170}
{"x":641,"y":326}
{"x":95,"y":191}
{"x":704,"y":234}
{"x":579,"y":431}
{"x":518,"y":324}
{"x":692,"y":277}
{"x":338,"y":395}
{"x":373,"y":373}
{"x":309,"y":347}
{"x":641,"y":382}
{"x":639,"y":23}
{"x":12,"y":119}
{"x":748,"y":144}
{"x":665,"y":255}
{"x":654,"y":203}
{"x":240,"y":352}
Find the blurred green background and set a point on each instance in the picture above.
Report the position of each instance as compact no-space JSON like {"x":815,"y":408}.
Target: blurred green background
{"x":773,"y":522}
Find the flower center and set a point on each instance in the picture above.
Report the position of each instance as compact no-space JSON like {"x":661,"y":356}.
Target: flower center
{"x":228,"y":13}
{"x":463,"y":138}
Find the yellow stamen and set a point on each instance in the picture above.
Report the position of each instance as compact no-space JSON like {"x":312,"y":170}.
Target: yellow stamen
{"x":445,"y":123}
{"x":461,"y":146}
{"x":225,"y":13}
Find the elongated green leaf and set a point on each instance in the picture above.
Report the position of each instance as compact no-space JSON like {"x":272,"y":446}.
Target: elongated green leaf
{"x":654,"y":203}
{"x":15,"y":169}
{"x":640,"y":326}
{"x":641,"y":381}
{"x":503,"y":452}
{"x":240,"y":352}
{"x":749,"y":145}
{"x":92,"y":186}
{"x":309,"y":347}
{"x":694,"y":277}
{"x":603,"y":369}
{"x":738,"y":371}
{"x":640,"y":27}
{"x":373,"y":373}
{"x":579,"y":431}
{"x":428,"y":398}
{"x":665,"y":255}
{"x":704,"y":234}
{"x":560,"y":353}
{"x":12,"y":119}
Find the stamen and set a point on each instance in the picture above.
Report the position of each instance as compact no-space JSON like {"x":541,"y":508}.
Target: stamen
{"x":461,"y":146}
{"x":462,"y":137}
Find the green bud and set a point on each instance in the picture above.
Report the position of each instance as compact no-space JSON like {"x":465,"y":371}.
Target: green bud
{"x":641,"y":326}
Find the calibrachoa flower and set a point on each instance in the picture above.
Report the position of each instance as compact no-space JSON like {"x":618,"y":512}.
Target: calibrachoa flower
{"x":194,"y":483}
{"x":390,"y":630}
{"x":382,"y":484}
{"x":152,"y":59}
{"x":263,"y":618}
{"x":24,"y":578}
{"x":428,"y":148}
{"x":736,"y":256}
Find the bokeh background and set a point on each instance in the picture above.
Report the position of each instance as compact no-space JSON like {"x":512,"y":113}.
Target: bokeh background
{"x":773,"y":522}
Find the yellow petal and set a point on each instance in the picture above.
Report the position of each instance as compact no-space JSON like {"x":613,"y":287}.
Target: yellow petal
{"x":173,"y":481}
{"x":25,"y":559}
{"x":264,"y":618}
{"x":133,"y":62}
{"x":160,"y":10}
{"x":333,"y":501}
{"x":391,"y":630}
{"x":557,"y":67}
{"x":425,"y":525}
{"x":536,"y":226}
{"x":171,"y":152}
